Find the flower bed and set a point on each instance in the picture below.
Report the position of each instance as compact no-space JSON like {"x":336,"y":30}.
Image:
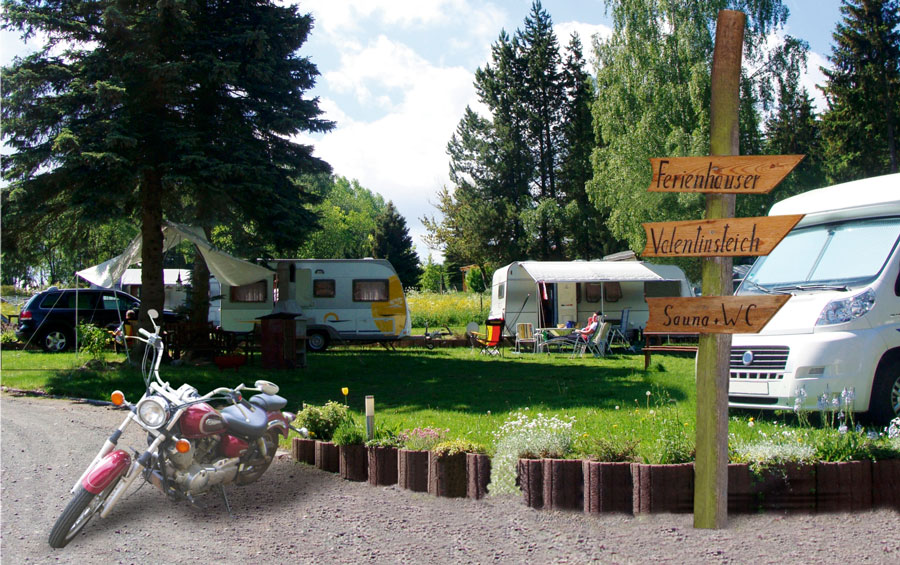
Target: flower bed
{"x":447,"y":475}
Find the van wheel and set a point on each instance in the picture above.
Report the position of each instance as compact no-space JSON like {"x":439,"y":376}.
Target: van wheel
{"x":317,"y":342}
{"x":56,"y":340}
{"x":885,"y":402}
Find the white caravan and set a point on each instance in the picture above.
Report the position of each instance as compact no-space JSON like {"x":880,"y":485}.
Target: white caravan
{"x":346,"y":300}
{"x":840,"y":331}
{"x":550,"y":293}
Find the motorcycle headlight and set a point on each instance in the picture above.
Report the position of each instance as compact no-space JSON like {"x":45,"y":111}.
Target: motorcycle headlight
{"x":847,"y":309}
{"x":153,"y":412}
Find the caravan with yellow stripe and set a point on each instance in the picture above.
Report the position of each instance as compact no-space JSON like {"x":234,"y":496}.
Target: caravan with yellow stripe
{"x":347,"y":300}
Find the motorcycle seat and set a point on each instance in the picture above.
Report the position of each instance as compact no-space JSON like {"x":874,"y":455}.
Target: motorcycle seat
{"x":269,"y":402}
{"x":236,"y":419}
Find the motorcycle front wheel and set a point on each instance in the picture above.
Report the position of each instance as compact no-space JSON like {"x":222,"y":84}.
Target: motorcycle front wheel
{"x":80,"y":510}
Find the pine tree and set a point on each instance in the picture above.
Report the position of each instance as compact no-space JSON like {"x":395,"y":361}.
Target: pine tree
{"x":393,"y":242}
{"x":862,"y":120}
{"x":182,"y":110}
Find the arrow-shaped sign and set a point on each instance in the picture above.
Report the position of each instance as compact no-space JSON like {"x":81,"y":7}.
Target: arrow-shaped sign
{"x":738,"y":174}
{"x":727,"y":237}
{"x":713,"y":314}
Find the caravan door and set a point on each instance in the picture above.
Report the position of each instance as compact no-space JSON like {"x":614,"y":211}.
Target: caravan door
{"x":566,"y":303}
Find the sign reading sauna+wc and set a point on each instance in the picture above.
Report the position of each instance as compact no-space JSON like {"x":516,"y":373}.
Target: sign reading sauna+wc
{"x":726,"y":237}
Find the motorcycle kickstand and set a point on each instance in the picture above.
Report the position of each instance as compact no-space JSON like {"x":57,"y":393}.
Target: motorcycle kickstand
{"x":225,"y":499}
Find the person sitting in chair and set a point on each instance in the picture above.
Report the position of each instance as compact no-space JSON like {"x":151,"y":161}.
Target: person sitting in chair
{"x":587,"y":331}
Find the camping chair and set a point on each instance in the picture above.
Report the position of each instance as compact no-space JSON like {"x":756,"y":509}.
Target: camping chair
{"x":619,"y":333}
{"x":581,"y":345}
{"x":599,"y":343}
{"x":525,"y":334}
{"x":490,"y":341}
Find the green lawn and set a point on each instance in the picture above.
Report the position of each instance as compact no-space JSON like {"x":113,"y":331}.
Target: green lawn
{"x":457,"y":389}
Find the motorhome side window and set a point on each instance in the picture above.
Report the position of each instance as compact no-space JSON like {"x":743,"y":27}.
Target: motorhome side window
{"x":254,"y":292}
{"x":593,"y":291}
{"x":323,"y":288}
{"x":370,"y":290}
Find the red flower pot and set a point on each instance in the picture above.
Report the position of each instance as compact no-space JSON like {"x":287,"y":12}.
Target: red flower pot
{"x":412,"y":470}
{"x":563,"y":484}
{"x":607,"y":487}
{"x":531,"y":481}
{"x":478,"y":474}
{"x":663,"y":488}
{"x":790,"y":487}
{"x":447,"y":475}
{"x":304,"y":450}
{"x":886,"y":483}
{"x":327,"y":458}
{"x":844,"y":486}
{"x":353,"y":462}
{"x":382,"y":466}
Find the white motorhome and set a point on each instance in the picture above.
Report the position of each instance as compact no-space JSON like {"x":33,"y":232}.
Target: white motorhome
{"x":550,"y":293}
{"x":346,"y":300}
{"x":841,"y":328}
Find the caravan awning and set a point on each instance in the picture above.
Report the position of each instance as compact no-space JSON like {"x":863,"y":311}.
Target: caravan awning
{"x":589,"y":271}
{"x":227,"y":269}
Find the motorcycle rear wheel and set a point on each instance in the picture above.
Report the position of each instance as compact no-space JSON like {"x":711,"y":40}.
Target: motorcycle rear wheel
{"x":77,"y":514}
{"x":255,"y":469}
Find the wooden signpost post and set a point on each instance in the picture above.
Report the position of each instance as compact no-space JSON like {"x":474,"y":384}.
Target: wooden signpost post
{"x":717,"y":238}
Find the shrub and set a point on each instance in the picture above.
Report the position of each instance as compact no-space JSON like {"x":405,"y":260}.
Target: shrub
{"x":93,"y":340}
{"x":8,"y":336}
{"x":674,"y":445}
{"x":384,"y":438}
{"x":349,"y":432}
{"x":422,"y":439}
{"x":608,"y":449}
{"x":322,"y":421}
{"x":522,"y":436}
{"x":762,"y":454}
{"x":457,"y":446}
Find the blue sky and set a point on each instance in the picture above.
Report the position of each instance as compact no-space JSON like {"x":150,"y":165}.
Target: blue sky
{"x":397,"y":75}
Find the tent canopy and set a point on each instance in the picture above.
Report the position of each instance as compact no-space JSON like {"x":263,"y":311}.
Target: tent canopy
{"x":589,"y":271}
{"x":227,"y":269}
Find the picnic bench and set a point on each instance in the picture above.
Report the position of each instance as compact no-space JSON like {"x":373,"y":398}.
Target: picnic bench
{"x":655,"y":342}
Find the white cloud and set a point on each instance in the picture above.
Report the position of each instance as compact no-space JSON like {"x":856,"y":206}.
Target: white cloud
{"x":813,"y":77}
{"x":336,"y":17}
{"x":586,"y":33}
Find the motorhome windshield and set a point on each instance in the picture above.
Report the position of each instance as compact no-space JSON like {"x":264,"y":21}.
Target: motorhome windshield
{"x":830,"y":255}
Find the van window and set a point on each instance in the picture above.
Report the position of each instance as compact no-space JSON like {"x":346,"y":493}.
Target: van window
{"x":323,"y":288}
{"x":254,"y":292}
{"x":85,"y":300}
{"x":593,"y":291}
{"x":847,"y":253}
{"x":114,"y":302}
{"x":370,"y":290}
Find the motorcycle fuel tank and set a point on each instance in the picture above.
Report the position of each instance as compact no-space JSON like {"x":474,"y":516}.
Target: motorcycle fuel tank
{"x":201,"y":420}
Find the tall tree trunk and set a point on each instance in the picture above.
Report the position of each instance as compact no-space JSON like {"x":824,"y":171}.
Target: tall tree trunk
{"x":152,"y":292}
{"x":199,"y":288}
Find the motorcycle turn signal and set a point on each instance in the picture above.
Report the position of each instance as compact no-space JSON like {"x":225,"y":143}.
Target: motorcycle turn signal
{"x":117,"y":398}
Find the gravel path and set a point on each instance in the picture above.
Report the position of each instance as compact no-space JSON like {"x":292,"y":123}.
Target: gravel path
{"x":297,"y":514}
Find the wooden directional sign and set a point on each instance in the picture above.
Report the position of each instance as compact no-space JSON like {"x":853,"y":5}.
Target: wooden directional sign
{"x":737,"y":174}
{"x":727,"y":237}
{"x":713,"y":314}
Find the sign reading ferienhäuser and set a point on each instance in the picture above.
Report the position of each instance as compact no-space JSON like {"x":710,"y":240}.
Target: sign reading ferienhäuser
{"x":737,"y":174}
{"x":728,"y":237}
{"x":713,"y":314}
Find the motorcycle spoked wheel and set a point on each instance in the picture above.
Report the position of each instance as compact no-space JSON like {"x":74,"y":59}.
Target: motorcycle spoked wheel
{"x":77,"y":514}
{"x":254,"y":469}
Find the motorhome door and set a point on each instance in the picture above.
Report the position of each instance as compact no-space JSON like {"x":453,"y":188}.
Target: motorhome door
{"x":566,"y":303}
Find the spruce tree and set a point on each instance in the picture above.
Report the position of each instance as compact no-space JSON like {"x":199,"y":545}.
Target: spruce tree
{"x":861,"y":123}
{"x":393,"y":242}
{"x":160,"y":109}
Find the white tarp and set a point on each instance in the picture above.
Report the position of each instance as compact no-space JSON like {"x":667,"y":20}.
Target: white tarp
{"x":589,"y":271}
{"x":227,"y":269}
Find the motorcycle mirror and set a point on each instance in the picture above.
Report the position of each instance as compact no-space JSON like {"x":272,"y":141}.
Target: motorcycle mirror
{"x":153,"y":313}
{"x":266,"y":387}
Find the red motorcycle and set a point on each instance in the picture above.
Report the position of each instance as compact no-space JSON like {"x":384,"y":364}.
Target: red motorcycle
{"x":192,"y":446}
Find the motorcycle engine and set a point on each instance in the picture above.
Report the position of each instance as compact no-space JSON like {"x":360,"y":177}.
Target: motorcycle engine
{"x":201,"y":467}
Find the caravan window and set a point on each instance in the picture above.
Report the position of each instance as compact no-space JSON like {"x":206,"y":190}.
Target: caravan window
{"x":612,"y":291}
{"x":323,"y":288}
{"x":255,"y":292}
{"x":592,"y":291}
{"x":501,"y":289}
{"x":370,"y":290}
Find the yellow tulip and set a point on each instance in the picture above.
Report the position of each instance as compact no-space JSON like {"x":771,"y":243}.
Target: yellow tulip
{"x":345,"y":390}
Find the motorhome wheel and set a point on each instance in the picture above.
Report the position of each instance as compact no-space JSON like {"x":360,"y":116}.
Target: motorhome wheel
{"x":318,"y":342}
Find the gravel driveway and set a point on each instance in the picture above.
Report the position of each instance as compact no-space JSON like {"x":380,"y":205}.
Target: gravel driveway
{"x":298,"y":514}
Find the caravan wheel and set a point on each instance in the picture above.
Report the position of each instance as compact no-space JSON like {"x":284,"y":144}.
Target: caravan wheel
{"x":317,"y":342}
